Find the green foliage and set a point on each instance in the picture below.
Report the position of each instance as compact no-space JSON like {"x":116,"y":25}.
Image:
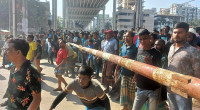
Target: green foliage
{"x":195,"y":23}
{"x":59,"y":22}
{"x":108,"y":25}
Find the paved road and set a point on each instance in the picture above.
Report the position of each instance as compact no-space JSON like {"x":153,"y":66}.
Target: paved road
{"x":49,"y":82}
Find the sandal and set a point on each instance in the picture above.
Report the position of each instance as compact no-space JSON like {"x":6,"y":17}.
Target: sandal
{"x":57,"y":89}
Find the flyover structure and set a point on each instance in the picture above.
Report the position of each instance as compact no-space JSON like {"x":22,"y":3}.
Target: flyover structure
{"x":78,"y":14}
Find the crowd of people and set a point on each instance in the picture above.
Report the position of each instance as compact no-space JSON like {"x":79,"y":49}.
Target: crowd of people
{"x":174,"y":49}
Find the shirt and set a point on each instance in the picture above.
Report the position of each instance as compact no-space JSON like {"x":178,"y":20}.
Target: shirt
{"x":32,"y":48}
{"x":184,"y":60}
{"x":96,"y":44}
{"x":110,"y":46}
{"x":62,"y":54}
{"x":92,"y":96}
{"x":131,"y":52}
{"x":22,"y":85}
{"x":144,"y":82}
{"x":39,"y":50}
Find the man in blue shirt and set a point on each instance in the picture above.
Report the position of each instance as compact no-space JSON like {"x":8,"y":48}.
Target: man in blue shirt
{"x":127,"y":93}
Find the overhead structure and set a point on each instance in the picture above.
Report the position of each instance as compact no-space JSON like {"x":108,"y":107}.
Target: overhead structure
{"x":79,"y":13}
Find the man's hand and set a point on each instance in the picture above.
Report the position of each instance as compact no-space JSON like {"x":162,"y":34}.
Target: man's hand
{"x":57,"y":67}
{"x":148,"y":60}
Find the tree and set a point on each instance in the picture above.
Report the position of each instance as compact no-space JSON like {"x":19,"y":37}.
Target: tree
{"x":59,"y":22}
{"x":194,"y":23}
{"x":108,"y":26}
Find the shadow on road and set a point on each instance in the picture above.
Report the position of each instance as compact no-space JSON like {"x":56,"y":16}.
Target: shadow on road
{"x":49,"y":89}
{"x":2,"y":77}
{"x":47,"y":64}
{"x":48,"y":78}
{"x":73,"y":98}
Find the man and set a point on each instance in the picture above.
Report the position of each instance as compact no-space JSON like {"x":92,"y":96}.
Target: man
{"x":147,"y":89}
{"x":61,"y":64}
{"x":182,"y":58}
{"x":70,"y":65}
{"x":166,"y":36}
{"x":32,"y":48}
{"x":38,"y":56}
{"x":110,"y":46}
{"x":97,"y":46}
{"x":192,"y":37}
{"x":127,"y":94}
{"x":24,"y":88}
{"x":89,"y":92}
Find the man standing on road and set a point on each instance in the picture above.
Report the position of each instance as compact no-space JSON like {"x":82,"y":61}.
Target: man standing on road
{"x":32,"y":48}
{"x":61,"y":64}
{"x":24,"y":87}
{"x":89,"y":92}
{"x":182,"y":58}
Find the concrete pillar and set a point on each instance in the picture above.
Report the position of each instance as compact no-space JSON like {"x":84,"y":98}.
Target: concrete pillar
{"x":98,"y":22}
{"x":64,"y":14}
{"x":103,"y":18}
{"x":14,"y":20}
{"x":54,"y":13}
{"x":114,"y":15}
{"x":139,"y":14}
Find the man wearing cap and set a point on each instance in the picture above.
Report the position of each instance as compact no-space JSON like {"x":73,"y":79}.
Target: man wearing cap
{"x":110,"y":46}
{"x":191,"y":38}
{"x":182,"y":58}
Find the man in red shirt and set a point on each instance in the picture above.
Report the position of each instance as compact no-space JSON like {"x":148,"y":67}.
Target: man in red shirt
{"x":61,"y":64}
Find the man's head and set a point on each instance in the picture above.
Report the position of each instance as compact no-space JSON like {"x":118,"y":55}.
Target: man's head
{"x":89,"y":42}
{"x":17,"y":48}
{"x":95,"y":35}
{"x":191,"y":36}
{"x":153,"y":38}
{"x":159,"y":44}
{"x":38,"y":42}
{"x":180,"y":32}
{"x":62,"y":43}
{"x":84,"y":75}
{"x":144,"y":38}
{"x":109,"y":34}
{"x":81,"y":34}
{"x":167,"y":29}
{"x":128,"y":37}
{"x":30,"y":38}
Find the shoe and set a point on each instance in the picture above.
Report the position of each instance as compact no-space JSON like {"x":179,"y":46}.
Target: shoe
{"x":57,"y":89}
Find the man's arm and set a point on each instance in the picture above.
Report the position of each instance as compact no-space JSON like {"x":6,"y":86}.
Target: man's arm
{"x":58,"y":99}
{"x":36,"y":102}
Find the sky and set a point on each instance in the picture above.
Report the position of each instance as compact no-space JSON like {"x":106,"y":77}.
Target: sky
{"x":147,"y":5}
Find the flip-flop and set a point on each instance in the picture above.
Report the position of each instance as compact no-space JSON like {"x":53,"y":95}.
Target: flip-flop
{"x":57,"y":89}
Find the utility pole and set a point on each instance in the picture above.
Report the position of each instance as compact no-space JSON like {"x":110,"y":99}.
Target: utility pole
{"x":139,"y":14}
{"x":114,"y":14}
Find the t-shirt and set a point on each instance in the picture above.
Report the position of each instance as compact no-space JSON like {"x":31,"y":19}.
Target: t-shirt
{"x":62,"y":54}
{"x":144,"y":82}
{"x":96,"y":44}
{"x":32,"y":48}
{"x":22,"y":85}
{"x":131,"y":52}
{"x":39,"y":50}
{"x":92,"y":96}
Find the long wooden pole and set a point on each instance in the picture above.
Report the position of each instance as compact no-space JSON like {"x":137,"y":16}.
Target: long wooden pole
{"x":184,"y":85}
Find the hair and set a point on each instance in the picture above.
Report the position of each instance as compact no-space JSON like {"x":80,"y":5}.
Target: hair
{"x":143,"y":32}
{"x":85,"y":70}
{"x":39,"y":41}
{"x":183,"y":25}
{"x":155,"y":36}
{"x":167,"y":28}
{"x":95,"y":33}
{"x":131,"y":33}
{"x":31,"y":36}
{"x":63,"y":41}
{"x":20,"y":44}
{"x":162,"y":41}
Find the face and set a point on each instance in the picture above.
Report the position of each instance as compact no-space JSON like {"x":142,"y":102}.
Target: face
{"x":61,"y":44}
{"x":108,"y":36}
{"x":144,"y":40}
{"x":190,"y":37}
{"x":179,"y":35}
{"x":29,"y":39}
{"x":83,"y":80}
{"x":95,"y":36}
{"x":127,"y":38}
{"x":158,"y":45}
{"x":11,"y":52}
{"x":90,"y":37}
{"x":152,"y":40}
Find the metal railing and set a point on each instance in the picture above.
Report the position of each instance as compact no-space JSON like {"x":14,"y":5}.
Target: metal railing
{"x":183,"y":85}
